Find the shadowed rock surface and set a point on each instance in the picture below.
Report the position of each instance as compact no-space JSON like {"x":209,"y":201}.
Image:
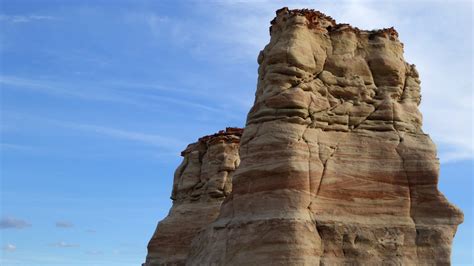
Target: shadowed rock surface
{"x":335,"y":168}
{"x":201,"y":183}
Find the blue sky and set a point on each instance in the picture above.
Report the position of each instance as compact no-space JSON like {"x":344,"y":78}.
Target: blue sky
{"x":98,"y":99}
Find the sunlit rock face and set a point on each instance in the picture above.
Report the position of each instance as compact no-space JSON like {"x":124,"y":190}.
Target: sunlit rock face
{"x":201,"y":183}
{"x":334,"y":166}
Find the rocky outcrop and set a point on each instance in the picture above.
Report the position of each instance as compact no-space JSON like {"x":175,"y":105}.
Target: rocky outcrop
{"x":200,"y":185}
{"x":335,"y":168}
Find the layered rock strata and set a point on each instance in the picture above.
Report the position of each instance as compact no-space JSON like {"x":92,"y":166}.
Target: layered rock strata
{"x":335,"y":168}
{"x":201,"y":183}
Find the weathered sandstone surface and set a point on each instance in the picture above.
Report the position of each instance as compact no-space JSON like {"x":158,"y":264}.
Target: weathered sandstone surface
{"x":334,"y":166}
{"x":201,"y":183}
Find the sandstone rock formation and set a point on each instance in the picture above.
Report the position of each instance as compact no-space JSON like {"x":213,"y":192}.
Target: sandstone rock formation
{"x":201,"y":183}
{"x":335,"y":168}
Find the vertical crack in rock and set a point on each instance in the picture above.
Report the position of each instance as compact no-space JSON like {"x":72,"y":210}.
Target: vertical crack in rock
{"x":325,"y":162}
{"x":311,"y":159}
{"x":408,"y":184}
{"x":400,"y":154}
{"x":351,"y":93}
{"x":310,"y":156}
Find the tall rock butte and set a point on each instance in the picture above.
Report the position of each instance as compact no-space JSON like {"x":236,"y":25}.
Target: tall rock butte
{"x":334,"y":166}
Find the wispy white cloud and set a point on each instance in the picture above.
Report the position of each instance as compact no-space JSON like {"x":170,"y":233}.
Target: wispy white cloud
{"x":181,"y":102}
{"x":78,"y":56}
{"x":149,"y":139}
{"x":150,"y":18}
{"x":94,"y":252}
{"x":59,"y":89}
{"x":16,"y":147}
{"x":62,"y":244}
{"x":24,"y":18}
{"x":238,"y":30}
{"x":64,"y":224}
{"x":146,"y":142}
{"x":154,"y":21}
{"x":13,"y":223}
{"x":9,"y":247}
{"x":451,"y":129}
{"x":162,"y":27}
{"x":140,"y":95}
{"x":455,"y":156}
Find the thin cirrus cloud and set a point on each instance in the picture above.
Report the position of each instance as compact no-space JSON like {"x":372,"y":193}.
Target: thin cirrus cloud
{"x":150,"y":139}
{"x":166,"y":143}
{"x":94,"y":252}
{"x":13,"y":223}
{"x":24,"y":18}
{"x":59,"y":89}
{"x":62,"y":244}
{"x":241,"y":18}
{"x":124,"y":93}
{"x":9,"y":146}
{"x":64,"y":224}
{"x":9,"y":247}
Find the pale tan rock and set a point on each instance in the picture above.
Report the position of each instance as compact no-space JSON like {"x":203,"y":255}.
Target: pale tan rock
{"x":335,"y":168}
{"x":201,"y":183}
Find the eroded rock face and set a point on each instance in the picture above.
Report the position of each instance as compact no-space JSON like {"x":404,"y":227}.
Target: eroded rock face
{"x":201,"y":183}
{"x":335,"y":168}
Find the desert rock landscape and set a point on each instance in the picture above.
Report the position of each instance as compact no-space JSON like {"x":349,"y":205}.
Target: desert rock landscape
{"x":332,"y":167}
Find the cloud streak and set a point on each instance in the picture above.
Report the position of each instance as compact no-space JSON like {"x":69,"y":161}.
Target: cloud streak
{"x":13,"y":223}
{"x":149,"y":139}
{"x":15,"y":19}
{"x":94,"y":252}
{"x":16,"y":147}
{"x":9,"y":247}
{"x":239,"y":40}
{"x":59,"y":89}
{"x":139,"y":95}
{"x":64,"y":224}
{"x":63,"y":244}
{"x":168,"y":146}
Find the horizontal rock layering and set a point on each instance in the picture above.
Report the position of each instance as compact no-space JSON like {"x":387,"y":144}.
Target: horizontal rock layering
{"x":335,"y":168}
{"x":201,"y":183}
